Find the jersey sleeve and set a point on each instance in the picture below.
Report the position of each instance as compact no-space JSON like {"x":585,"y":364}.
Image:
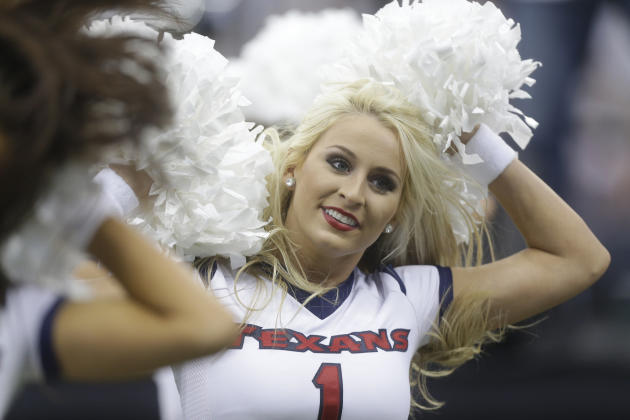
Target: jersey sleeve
{"x":429,"y":290}
{"x":30,"y":313}
{"x":167,"y":395}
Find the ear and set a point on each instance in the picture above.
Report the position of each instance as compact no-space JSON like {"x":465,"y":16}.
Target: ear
{"x":289,"y":178}
{"x":393,"y":222}
{"x":289,"y":173}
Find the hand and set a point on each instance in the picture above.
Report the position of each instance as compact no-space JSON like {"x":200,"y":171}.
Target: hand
{"x":139,"y":181}
{"x":465,"y":137}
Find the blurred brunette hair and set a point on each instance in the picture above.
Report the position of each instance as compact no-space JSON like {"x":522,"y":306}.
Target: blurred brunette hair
{"x":64,"y":94}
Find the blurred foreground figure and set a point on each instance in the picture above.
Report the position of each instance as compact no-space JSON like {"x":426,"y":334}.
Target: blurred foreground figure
{"x":176,"y":17}
{"x":64,"y":96}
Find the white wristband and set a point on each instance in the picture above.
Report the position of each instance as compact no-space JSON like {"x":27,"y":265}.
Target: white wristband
{"x":80,"y":224}
{"x":45,"y":248}
{"x":119,"y":192}
{"x":494,"y":152}
{"x":73,"y":206}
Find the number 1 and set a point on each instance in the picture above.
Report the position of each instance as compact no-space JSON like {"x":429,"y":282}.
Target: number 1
{"x":328,"y":380}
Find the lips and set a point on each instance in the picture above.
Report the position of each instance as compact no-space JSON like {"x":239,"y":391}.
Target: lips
{"x":340,"y":219}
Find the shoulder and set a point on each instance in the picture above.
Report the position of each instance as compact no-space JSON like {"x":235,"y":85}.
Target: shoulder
{"x":28,"y":317}
{"x":226,"y":282}
{"x":420,"y":282}
{"x":30,"y":302}
{"x":413,"y":276}
{"x":31,"y":311}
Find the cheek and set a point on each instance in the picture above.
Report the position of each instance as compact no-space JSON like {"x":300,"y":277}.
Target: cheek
{"x":316,"y":181}
{"x":388,"y":208}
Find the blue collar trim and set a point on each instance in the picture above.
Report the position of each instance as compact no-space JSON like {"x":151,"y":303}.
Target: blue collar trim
{"x":325,"y":305}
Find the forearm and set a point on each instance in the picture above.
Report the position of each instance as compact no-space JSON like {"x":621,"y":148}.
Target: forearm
{"x":156,"y":281}
{"x":547,"y":223}
{"x":562,"y":257}
{"x":165,"y":317}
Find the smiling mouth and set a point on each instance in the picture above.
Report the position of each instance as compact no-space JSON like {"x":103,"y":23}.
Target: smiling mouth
{"x":339,"y":220}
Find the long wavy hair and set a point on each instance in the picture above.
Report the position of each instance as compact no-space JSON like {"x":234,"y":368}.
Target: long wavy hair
{"x":424,"y":234}
{"x":64,"y":95}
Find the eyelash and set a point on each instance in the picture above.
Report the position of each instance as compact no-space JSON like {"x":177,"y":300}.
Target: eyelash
{"x":334,"y":160}
{"x":382,"y":183}
{"x":387,"y":184}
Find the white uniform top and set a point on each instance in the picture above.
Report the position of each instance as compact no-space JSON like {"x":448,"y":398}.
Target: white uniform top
{"x":27,"y":354}
{"x":25,"y":339}
{"x":348,"y":360}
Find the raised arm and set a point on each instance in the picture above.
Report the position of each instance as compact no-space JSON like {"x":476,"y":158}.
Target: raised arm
{"x":166,"y":318}
{"x":563,"y":257}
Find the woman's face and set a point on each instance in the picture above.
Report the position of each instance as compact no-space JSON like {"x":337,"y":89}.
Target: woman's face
{"x":347,"y":189}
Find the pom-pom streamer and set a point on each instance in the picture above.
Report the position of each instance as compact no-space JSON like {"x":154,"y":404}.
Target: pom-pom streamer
{"x":209,"y":186}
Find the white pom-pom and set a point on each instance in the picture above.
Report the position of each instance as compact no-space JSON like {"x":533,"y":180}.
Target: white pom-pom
{"x":457,"y":61}
{"x":279,"y":66}
{"x":209,"y":184}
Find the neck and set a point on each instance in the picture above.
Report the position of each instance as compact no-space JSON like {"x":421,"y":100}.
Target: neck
{"x":328,"y":271}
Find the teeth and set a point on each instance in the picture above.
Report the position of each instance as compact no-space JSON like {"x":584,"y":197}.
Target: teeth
{"x":341,"y":217}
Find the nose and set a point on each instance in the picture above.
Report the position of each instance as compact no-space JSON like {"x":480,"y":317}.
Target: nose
{"x":353,"y":190}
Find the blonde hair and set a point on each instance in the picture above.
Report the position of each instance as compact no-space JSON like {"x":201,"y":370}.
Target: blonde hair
{"x":424,"y":234}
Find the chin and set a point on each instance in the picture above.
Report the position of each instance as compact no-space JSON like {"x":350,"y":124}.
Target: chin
{"x":331,"y":245}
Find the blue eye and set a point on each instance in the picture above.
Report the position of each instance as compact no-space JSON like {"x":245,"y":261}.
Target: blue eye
{"x":383,"y":183}
{"x":339,"y":164}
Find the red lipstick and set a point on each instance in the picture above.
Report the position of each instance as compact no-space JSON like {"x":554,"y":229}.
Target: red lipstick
{"x":336,"y":223}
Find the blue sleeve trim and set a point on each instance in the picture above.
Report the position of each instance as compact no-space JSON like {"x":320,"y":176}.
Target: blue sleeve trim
{"x":49,"y":360}
{"x":446,"y":288}
{"x":390,"y":270}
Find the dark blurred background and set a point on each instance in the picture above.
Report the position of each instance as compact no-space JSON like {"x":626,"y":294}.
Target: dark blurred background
{"x":575,"y":362}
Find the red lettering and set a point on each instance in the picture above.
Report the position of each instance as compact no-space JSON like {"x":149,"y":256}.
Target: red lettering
{"x":308,"y":343}
{"x":273,"y":339}
{"x":366,"y":341}
{"x":400,"y":337}
{"x":372,"y":341}
{"x":343,"y":342}
{"x":328,"y":381}
{"x":247,"y":330}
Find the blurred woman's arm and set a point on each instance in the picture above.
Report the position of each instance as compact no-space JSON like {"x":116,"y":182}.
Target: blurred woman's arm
{"x":167,"y":317}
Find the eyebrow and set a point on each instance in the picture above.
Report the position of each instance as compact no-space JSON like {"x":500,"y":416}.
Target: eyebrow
{"x":353,"y":156}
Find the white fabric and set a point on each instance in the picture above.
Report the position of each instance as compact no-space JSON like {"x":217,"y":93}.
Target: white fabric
{"x":74,"y":204}
{"x":49,"y":244}
{"x":167,"y":395}
{"x":117,"y":190}
{"x":495,"y":154}
{"x":20,"y":324}
{"x":256,"y":383}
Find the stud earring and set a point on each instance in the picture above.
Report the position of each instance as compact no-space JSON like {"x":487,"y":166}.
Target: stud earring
{"x":290,"y":182}
{"x":389,"y":228}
